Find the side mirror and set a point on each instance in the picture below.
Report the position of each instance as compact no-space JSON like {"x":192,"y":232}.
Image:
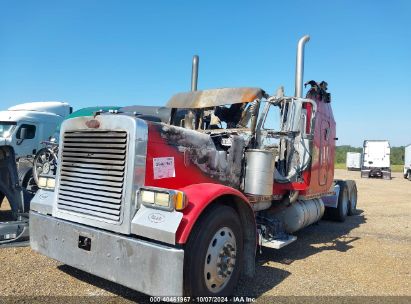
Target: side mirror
{"x":23,"y":133}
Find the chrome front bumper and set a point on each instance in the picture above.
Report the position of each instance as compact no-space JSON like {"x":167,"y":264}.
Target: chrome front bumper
{"x":147,"y":267}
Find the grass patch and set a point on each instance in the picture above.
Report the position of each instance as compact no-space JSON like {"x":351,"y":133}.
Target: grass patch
{"x":340,"y":166}
{"x":397,"y":168}
{"x":394,"y":168}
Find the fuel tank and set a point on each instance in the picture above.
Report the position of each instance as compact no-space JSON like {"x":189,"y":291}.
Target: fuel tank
{"x":301,"y":214}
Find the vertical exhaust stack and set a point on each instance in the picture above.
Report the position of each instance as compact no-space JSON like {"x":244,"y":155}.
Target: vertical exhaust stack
{"x":194,"y":73}
{"x":299,"y":67}
{"x":190,"y":118}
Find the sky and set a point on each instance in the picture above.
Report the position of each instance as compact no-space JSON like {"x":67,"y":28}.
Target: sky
{"x":96,"y":53}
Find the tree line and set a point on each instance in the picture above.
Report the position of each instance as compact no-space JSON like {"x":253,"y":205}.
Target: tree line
{"x":396,"y":157}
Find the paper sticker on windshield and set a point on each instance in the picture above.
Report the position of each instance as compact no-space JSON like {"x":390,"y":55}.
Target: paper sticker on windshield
{"x":163,"y":167}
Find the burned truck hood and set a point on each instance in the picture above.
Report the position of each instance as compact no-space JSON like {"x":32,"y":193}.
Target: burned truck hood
{"x":214,"y":98}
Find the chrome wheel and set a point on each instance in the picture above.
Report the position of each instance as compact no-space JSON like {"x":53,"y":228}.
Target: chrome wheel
{"x":353,"y":197}
{"x":354,"y":200}
{"x":345,"y":202}
{"x":220,"y":260}
{"x":45,"y":162}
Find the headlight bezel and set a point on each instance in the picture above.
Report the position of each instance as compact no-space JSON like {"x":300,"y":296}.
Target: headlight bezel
{"x":176,"y":200}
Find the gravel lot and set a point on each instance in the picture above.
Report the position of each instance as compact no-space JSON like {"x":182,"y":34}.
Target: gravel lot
{"x":368,"y":255}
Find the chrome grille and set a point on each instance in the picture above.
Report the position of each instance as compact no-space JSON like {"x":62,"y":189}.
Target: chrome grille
{"x":92,"y":173}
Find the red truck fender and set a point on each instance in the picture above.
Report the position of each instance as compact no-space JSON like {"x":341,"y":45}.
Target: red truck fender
{"x":200,"y":196}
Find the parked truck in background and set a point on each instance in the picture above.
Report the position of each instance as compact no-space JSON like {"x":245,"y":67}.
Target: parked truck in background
{"x":23,"y":128}
{"x":376,"y":159}
{"x":180,"y":208}
{"x":353,"y":161}
{"x":407,"y":162}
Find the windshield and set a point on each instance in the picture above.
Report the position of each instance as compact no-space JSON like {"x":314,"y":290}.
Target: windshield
{"x":6,"y":127}
{"x":228,"y":116}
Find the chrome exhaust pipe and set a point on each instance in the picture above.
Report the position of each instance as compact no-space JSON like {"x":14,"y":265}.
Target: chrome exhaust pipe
{"x":190,"y":118}
{"x":299,"y":67}
{"x":194,"y":73}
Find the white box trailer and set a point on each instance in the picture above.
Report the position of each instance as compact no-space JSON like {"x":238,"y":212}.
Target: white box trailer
{"x":376,"y":159}
{"x":407,"y":162}
{"x":353,"y":161}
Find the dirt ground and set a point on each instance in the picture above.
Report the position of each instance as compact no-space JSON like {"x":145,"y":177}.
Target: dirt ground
{"x":368,"y":255}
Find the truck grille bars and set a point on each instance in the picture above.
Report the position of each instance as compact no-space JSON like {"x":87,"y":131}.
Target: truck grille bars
{"x":92,"y":173}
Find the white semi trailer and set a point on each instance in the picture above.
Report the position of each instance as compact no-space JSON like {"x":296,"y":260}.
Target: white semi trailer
{"x":353,"y":161}
{"x":376,"y":159}
{"x":407,"y":162}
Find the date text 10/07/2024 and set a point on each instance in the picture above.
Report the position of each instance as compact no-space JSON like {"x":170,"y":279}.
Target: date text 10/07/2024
{"x":238,"y":299}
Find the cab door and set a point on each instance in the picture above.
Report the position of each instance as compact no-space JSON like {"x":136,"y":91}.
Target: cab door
{"x":26,"y":139}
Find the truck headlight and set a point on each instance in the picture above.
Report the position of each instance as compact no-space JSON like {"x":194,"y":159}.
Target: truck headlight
{"x":47,"y":182}
{"x":147,"y":197}
{"x":51,"y":182}
{"x":163,"y":198}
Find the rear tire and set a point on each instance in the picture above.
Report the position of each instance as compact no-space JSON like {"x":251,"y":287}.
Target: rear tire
{"x":340,"y":213}
{"x":353,"y":197}
{"x":409,"y":175}
{"x":214,"y":254}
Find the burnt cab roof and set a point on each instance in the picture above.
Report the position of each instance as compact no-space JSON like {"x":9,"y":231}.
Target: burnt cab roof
{"x":214,"y":98}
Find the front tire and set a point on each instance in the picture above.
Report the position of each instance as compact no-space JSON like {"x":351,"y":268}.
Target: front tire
{"x":214,"y":254}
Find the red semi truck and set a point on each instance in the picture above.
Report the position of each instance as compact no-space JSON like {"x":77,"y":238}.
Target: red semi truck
{"x":180,"y":208}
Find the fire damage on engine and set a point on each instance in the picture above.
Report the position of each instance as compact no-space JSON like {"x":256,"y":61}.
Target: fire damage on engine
{"x":214,"y":128}
{"x":246,"y":139}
